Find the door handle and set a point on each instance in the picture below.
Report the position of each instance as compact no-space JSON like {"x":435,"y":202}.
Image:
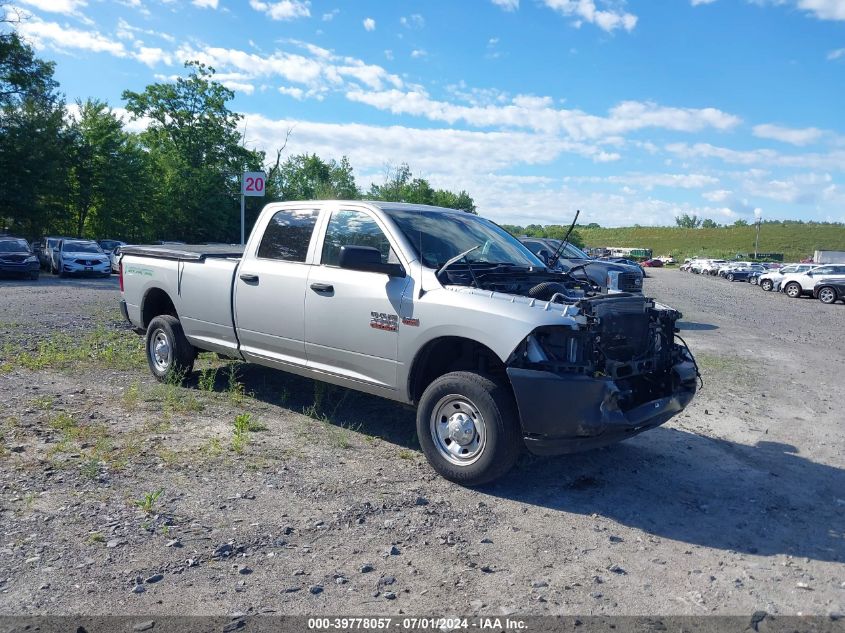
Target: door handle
{"x":249,"y":278}
{"x":322,"y":287}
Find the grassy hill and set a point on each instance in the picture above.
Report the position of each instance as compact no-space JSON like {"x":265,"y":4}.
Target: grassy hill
{"x":795,"y":241}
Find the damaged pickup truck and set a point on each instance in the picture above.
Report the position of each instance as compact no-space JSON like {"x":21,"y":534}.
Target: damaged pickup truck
{"x":431,"y":307}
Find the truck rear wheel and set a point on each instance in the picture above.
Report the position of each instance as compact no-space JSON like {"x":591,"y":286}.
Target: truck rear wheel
{"x":169,"y":354}
{"x":468,"y":427}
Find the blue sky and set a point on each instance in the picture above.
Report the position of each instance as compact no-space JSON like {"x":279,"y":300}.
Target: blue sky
{"x":632,"y":111}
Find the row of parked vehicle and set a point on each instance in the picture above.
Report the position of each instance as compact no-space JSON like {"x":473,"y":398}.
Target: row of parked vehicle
{"x":825,"y":282}
{"x":61,"y":256}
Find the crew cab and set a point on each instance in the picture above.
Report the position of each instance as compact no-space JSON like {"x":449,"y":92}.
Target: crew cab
{"x":426,"y":306}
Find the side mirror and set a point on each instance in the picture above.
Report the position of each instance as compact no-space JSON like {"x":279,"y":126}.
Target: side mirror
{"x":809,"y":273}
{"x":367,"y":259}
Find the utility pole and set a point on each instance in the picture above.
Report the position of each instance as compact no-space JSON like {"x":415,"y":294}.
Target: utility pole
{"x":758,"y":217}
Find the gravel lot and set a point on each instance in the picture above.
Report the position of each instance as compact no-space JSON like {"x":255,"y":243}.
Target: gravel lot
{"x":122,"y":496}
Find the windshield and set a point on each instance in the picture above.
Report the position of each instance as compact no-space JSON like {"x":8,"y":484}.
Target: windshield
{"x":14,"y":246}
{"x":109,"y":244}
{"x":81,"y":247}
{"x":570,"y":251}
{"x":437,"y":236}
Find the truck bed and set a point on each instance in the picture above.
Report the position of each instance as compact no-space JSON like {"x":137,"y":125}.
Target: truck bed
{"x":185,"y":252}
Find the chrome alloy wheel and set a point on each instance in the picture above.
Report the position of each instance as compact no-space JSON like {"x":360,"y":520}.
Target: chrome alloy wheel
{"x":827,"y":295}
{"x":160,"y":351}
{"x":458,"y":430}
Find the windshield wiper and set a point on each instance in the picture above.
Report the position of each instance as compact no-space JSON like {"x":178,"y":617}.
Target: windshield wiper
{"x":457,"y":258}
{"x":553,"y":259}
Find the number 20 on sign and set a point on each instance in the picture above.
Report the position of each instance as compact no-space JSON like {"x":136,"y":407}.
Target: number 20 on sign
{"x":253,"y":183}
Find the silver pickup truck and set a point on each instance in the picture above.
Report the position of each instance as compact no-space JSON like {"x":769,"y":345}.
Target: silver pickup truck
{"x":427,"y":306}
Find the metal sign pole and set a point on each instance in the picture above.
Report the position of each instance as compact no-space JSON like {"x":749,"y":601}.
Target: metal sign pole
{"x":243,"y":198}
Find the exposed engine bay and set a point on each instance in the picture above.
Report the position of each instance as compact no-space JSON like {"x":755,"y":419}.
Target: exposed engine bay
{"x":537,"y":283}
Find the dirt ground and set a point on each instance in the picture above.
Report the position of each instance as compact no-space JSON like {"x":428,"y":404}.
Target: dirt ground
{"x":122,"y":496}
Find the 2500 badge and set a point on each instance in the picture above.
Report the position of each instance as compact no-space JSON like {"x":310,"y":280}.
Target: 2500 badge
{"x":382,"y":321}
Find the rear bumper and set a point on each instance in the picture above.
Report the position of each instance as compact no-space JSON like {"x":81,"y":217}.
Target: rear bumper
{"x":568,"y":414}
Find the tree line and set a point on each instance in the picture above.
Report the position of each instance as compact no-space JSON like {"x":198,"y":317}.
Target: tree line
{"x":79,"y":171}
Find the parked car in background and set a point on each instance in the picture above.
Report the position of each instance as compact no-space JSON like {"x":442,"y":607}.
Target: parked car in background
{"x":81,"y":257}
{"x":830,"y":290}
{"x":711,"y":266}
{"x":653,"y":263}
{"x":611,"y":277}
{"x":114,"y":258}
{"x":108,"y":246}
{"x":770,"y":280}
{"x":668,"y":260}
{"x":798,"y":284}
{"x":17,"y":258}
{"x":46,"y":256}
{"x":743,"y":273}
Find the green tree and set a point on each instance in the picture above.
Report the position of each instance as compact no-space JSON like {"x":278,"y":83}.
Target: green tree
{"x":709,"y":224}
{"x":687,"y":221}
{"x":308,"y":177}
{"x":110,"y":177}
{"x":400,"y":185}
{"x":741,"y":222}
{"x":34,"y":141}
{"x":197,"y":155}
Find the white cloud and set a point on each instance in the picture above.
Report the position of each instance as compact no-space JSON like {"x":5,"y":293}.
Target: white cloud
{"x":66,"y":7}
{"x":717,"y":195}
{"x":537,"y":113}
{"x":205,"y":4}
{"x":836,"y":54}
{"x":413,"y":21}
{"x":586,"y":10}
{"x":320,"y":72}
{"x":507,"y":5}
{"x":795,"y":136}
{"x":369,"y":24}
{"x":418,"y":53}
{"x":329,"y":16}
{"x":152,"y":56}
{"x":696,"y":3}
{"x":824,"y":9}
{"x":650,"y":181}
{"x":834,"y":160}
{"x":61,"y":37}
{"x":821,"y":9}
{"x":284,"y":9}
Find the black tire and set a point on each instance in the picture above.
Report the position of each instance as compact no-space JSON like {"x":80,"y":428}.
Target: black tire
{"x":177,"y":361}
{"x":492,"y":401}
{"x":730,"y":276}
{"x":34,"y":275}
{"x":827,"y":295}
{"x":793,"y":290}
{"x":767,"y":285}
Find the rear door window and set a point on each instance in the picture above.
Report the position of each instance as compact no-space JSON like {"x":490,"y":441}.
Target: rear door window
{"x":288,"y":235}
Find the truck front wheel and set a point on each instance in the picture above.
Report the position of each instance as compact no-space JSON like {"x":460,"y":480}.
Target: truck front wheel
{"x":468,"y":427}
{"x":169,"y":354}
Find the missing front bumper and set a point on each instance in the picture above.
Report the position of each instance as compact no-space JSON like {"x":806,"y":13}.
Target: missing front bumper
{"x":567,"y":414}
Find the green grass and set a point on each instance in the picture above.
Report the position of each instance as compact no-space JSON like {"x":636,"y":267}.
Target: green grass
{"x":795,"y":241}
{"x":102,"y":346}
{"x":147,"y":502}
{"x":240,"y":433}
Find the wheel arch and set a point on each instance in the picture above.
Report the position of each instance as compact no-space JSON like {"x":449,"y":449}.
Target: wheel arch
{"x":155,"y":303}
{"x":446,"y":354}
